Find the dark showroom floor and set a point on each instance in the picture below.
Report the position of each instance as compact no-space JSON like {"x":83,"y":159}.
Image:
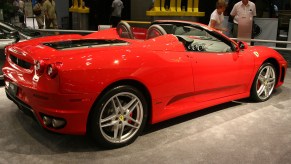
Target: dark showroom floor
{"x":235,"y":132}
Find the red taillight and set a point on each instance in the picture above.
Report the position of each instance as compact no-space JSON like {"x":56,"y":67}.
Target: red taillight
{"x":39,"y":67}
{"x":52,"y":70}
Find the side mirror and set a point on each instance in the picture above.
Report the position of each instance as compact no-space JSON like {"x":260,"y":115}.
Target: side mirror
{"x":242,"y":45}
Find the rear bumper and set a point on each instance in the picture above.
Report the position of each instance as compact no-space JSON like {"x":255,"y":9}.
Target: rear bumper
{"x":73,"y":108}
{"x":22,"y":106}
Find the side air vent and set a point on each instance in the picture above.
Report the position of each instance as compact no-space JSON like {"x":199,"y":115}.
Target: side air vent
{"x":20,"y":62}
{"x":84,"y":43}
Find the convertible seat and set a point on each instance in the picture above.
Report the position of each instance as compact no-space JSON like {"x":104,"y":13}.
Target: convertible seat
{"x":154,"y":31}
{"x":124,"y":30}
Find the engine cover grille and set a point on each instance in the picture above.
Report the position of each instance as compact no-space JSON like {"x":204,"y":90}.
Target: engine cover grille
{"x":20,"y":62}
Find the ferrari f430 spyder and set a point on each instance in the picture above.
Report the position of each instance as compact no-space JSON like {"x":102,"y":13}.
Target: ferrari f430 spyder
{"x":110,"y":83}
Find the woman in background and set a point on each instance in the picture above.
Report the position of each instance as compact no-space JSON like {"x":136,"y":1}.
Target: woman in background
{"x":217,"y":17}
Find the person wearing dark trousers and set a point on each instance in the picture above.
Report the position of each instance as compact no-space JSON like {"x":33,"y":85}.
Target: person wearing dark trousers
{"x":39,"y":13}
{"x":228,"y":9}
{"x":22,"y":13}
{"x":49,"y":8}
{"x":117,"y":6}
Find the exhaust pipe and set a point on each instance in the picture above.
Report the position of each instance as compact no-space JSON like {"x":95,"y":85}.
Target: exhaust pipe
{"x":57,"y":123}
{"x":47,"y":120}
{"x":53,"y":122}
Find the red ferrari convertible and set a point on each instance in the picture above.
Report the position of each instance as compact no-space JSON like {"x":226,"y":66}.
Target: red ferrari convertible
{"x":110,"y":83}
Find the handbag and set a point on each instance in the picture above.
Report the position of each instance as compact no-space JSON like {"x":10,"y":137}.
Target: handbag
{"x":37,"y":10}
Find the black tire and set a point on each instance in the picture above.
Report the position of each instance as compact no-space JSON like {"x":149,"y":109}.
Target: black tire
{"x":264,"y":83}
{"x":119,"y":117}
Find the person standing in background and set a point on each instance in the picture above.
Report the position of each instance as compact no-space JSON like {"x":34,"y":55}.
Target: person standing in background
{"x":21,"y":13}
{"x":217,"y":17}
{"x":15,"y":10}
{"x":117,"y":6}
{"x":228,"y":9}
{"x":244,"y":10}
{"x":49,"y":8}
{"x":39,"y":13}
{"x":18,"y":8}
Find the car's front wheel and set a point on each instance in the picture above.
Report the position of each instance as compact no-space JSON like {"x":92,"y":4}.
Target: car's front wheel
{"x":264,"y":83}
{"x":119,"y":117}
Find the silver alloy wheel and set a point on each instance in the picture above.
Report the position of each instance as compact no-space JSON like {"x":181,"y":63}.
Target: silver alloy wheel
{"x":265,"y":82}
{"x":121,"y":117}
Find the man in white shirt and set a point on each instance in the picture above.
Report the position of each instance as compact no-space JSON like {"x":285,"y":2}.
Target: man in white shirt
{"x":243,"y":11}
{"x":117,"y":6}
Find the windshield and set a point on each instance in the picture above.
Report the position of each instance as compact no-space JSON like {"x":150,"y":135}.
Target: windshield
{"x":196,"y":37}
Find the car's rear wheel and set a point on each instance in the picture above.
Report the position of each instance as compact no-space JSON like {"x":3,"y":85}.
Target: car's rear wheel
{"x":264,"y":83}
{"x":119,"y":117}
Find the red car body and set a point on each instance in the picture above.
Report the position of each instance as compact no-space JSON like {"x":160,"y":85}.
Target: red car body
{"x":175,"y":80}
